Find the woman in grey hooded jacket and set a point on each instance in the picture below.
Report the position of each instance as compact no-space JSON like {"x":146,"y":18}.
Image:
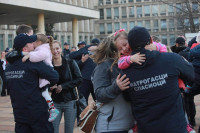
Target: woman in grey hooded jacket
{"x":115,"y":115}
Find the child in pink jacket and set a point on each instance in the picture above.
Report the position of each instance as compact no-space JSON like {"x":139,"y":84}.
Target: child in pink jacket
{"x":42,"y":52}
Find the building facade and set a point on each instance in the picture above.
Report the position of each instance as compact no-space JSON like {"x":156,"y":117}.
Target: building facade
{"x":163,"y":19}
{"x":63,"y":31}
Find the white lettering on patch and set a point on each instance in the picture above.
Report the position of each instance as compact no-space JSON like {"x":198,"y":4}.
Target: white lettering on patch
{"x":156,"y":81}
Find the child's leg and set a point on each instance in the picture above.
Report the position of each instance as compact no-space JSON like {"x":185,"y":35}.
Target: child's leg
{"x":48,"y":98}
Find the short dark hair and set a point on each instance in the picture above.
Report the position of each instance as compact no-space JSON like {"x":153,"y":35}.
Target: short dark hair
{"x":23,"y":29}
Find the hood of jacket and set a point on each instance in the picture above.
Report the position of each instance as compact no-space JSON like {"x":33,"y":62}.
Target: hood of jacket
{"x":150,"y":57}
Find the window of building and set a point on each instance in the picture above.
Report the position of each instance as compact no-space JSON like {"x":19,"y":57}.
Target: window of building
{"x":195,"y":7}
{"x":170,"y":10}
{"x":80,"y":38}
{"x":109,"y":28}
{"x":124,"y":12}
{"x":108,"y":2}
{"x":131,"y":11}
{"x":147,"y":10}
{"x":171,"y":25}
{"x":163,"y":9}
{"x":62,"y":40}
{"x":124,"y":25}
{"x":155,"y":10}
{"x":139,"y":23}
{"x":102,"y":29}
{"x":178,"y":8}
{"x":180,"y":24}
{"x":131,"y":24}
{"x":146,"y":0}
{"x":117,"y":26}
{"x":116,"y":12}
{"x":10,"y":41}
{"x":115,"y":1}
{"x":101,"y":13}
{"x":123,"y":1}
{"x":164,"y":39}
{"x":171,"y":39}
{"x":69,"y":39}
{"x":163,"y":24}
{"x":130,"y":0}
{"x":139,"y":11}
{"x":155,"y":25}
{"x":108,"y":11}
{"x":100,"y":2}
{"x":138,"y":0}
{"x":1,"y":42}
{"x":148,"y":25}
{"x":196,"y":23}
{"x":86,"y":39}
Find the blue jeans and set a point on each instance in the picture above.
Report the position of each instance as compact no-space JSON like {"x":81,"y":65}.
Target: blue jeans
{"x":69,"y":109}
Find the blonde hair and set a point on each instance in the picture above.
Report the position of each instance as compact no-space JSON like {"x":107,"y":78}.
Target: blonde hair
{"x":45,"y":39}
{"x":120,"y":33}
{"x":106,"y":50}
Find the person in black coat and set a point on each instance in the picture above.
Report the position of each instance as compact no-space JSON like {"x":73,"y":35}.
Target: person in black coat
{"x":64,"y":93}
{"x":86,"y":66}
{"x":154,"y":92}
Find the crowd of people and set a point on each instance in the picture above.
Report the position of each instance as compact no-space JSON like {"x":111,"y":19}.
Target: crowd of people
{"x":144,"y":86}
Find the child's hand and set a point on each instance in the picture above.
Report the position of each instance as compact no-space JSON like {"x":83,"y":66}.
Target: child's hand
{"x":138,"y":58}
{"x":25,"y":58}
{"x":59,"y":89}
{"x":122,"y":82}
{"x":53,"y":87}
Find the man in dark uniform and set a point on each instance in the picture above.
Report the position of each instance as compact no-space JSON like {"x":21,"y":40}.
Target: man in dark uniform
{"x":154,"y":92}
{"x":29,"y":107}
{"x":66,"y":50}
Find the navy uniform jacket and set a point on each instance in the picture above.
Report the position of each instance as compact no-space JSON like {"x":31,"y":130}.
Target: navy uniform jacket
{"x":88,"y":66}
{"x":154,"y":92}
{"x":23,"y":82}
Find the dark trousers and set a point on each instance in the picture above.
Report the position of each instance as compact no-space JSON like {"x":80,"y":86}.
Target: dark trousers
{"x":190,"y":108}
{"x":85,"y":88}
{"x":4,"y":87}
{"x":40,"y":126}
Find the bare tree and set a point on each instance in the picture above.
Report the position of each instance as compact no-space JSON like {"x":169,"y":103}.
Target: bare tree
{"x":185,"y":12}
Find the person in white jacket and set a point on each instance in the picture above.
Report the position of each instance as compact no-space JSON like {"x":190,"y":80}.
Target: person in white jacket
{"x":42,"y":52}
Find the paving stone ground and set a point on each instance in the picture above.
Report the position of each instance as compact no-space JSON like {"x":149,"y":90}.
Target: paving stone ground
{"x":7,"y":121}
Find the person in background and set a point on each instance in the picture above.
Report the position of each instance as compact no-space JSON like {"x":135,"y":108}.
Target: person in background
{"x":66,"y":50}
{"x":29,"y":107}
{"x":24,"y":29}
{"x":2,"y":74}
{"x":81,"y":44}
{"x":86,"y":65}
{"x":63,"y":93}
{"x":73,"y":49}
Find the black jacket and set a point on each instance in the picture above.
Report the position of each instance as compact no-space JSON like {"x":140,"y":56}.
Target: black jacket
{"x":67,"y":81}
{"x":23,"y":81}
{"x":88,"y":66}
{"x":154,"y":92}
